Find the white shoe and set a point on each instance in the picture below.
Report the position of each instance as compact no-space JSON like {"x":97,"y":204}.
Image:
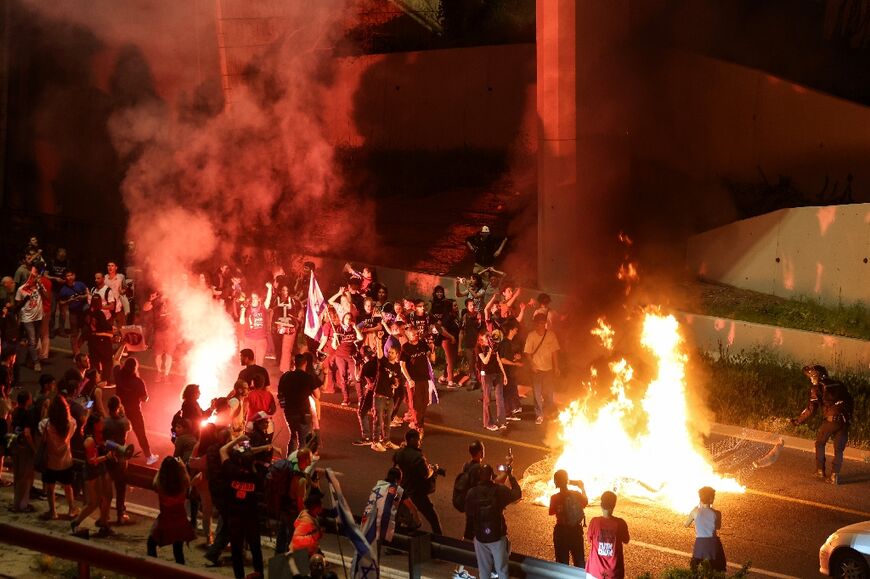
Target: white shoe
{"x":491,"y":427}
{"x":152,"y":459}
{"x":378,"y":447}
{"x":462,"y":574}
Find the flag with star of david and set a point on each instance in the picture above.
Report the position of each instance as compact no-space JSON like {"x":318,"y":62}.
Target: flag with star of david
{"x":364,"y":566}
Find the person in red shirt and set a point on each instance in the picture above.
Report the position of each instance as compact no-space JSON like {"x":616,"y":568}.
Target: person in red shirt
{"x":607,"y":534}
{"x":568,"y":507}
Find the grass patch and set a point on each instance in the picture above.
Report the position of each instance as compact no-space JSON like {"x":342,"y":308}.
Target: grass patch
{"x":757,"y":389}
{"x":729,"y":302}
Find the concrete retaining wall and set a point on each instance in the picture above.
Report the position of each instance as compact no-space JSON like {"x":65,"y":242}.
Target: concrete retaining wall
{"x":822,"y":253}
{"x":834,"y":352}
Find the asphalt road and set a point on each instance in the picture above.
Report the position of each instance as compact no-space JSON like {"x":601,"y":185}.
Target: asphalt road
{"x":778,"y":524}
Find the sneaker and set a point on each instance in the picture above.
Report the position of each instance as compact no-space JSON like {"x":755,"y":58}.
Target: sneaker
{"x":834,"y":479}
{"x":539,"y":420}
{"x":37,"y":367}
{"x":123,"y":520}
{"x":819,"y":473}
{"x":362,"y":442}
{"x":442,"y":380}
{"x":152,"y":459}
{"x":516,"y":410}
{"x":492,"y":427}
{"x":513,"y":418}
{"x":462,"y":574}
{"x":454,"y":386}
{"x":391,"y":445}
{"x":378,"y":447}
{"x":397,"y":422}
{"x":503,"y":427}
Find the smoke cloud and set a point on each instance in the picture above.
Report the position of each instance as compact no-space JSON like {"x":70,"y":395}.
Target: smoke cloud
{"x":204,"y":180}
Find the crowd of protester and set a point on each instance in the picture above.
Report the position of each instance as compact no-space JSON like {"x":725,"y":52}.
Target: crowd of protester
{"x":226,"y":479}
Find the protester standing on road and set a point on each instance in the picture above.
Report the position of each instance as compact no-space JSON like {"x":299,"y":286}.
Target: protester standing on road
{"x":606,"y":535}
{"x":115,"y":429}
{"x":485,"y":505}
{"x":837,"y":404}
{"x":567,"y":505}
{"x":171,"y":527}
{"x":132,"y":392}
{"x":416,"y":472}
{"x":294,"y":391}
{"x":708,"y":546}
{"x":542,"y":350}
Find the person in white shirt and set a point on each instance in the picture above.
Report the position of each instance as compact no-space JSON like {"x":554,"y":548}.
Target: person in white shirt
{"x":707,"y":520}
{"x":29,"y":299}
{"x":117,"y":283}
{"x":542,"y":351}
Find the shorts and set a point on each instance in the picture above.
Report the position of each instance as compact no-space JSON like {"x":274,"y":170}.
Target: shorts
{"x":61,"y":477}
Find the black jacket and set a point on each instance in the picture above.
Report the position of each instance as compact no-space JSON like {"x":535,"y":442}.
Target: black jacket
{"x":833,"y":398}
{"x":415,"y":470}
{"x":485,"y":505}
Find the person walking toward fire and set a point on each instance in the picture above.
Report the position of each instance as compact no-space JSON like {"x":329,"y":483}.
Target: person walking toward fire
{"x":836,"y":404}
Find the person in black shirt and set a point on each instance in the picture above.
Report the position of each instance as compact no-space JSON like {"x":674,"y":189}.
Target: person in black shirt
{"x":241,"y":505}
{"x":246,"y":359}
{"x":366,"y":377}
{"x":132,"y":392}
{"x":441,"y":312}
{"x":387,"y":381}
{"x":416,"y":472}
{"x":344,"y":342}
{"x":416,"y":360}
{"x":511,"y":353}
{"x":484,"y":506}
{"x":485,"y":247}
{"x":470,"y":324}
{"x":294,"y":390}
{"x":98,"y":330}
{"x":492,"y":375}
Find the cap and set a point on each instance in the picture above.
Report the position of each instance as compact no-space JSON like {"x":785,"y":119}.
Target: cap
{"x":484,"y":229}
{"x":260,"y":416}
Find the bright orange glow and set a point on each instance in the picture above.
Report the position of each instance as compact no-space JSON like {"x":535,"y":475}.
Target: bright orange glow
{"x":647,"y":450}
{"x":820,"y":272}
{"x":826,"y":216}
{"x":604,"y":333}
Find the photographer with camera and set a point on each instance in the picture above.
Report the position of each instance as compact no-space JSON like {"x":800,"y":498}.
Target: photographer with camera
{"x":484,"y":506}
{"x":419,"y":478}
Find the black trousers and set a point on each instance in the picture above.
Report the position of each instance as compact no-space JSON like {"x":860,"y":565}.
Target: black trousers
{"x":137,"y":422}
{"x":424,"y":505}
{"x":240,"y":530}
{"x":118,"y":473}
{"x":839,"y":431}
{"x":100,"y":353}
{"x":568,"y":543}
{"x":177,"y":550}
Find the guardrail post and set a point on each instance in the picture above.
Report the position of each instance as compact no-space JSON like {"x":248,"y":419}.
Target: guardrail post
{"x":419,"y":552}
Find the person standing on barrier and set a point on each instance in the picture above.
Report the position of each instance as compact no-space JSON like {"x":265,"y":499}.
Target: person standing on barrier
{"x":567,"y":505}
{"x":417,"y":474}
{"x":836,"y":404}
{"x":607,"y":534}
{"x":484,"y":506}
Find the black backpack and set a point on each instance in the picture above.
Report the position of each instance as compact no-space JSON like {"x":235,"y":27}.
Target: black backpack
{"x":489,"y":520}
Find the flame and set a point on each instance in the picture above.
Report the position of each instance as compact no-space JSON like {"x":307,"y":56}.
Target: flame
{"x":604,"y":333}
{"x":647,"y":450}
{"x":206,"y":326}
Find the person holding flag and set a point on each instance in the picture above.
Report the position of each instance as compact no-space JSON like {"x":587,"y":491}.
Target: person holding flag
{"x":364,"y":565}
{"x":379,"y":517}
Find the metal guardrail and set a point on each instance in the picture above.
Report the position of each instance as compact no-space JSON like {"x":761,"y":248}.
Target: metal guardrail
{"x":86,"y":553}
{"x":423,"y":547}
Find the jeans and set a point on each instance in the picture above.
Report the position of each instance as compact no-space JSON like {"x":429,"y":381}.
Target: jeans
{"x":31,"y":330}
{"x":383,"y":417}
{"x":344,"y":371}
{"x":418,"y":400}
{"x":840,"y":433}
{"x":542,"y":384}
{"x":511,"y":393}
{"x":100,"y":353}
{"x":568,"y":542}
{"x":365,"y":413}
{"x":118,"y":473}
{"x":284,"y":532}
{"x":471,"y":362}
{"x":300,"y":428}
{"x":221,"y":538}
{"x":493,"y":557}
{"x":493,"y":384}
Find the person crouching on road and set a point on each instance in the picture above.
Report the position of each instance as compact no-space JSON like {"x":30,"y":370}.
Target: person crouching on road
{"x":485,"y":505}
{"x":707,"y":521}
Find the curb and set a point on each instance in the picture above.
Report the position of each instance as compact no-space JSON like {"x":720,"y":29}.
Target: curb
{"x":791,"y":442}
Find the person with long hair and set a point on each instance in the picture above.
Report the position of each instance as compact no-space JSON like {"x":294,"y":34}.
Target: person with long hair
{"x":98,"y":484}
{"x":171,"y":527}
{"x":132,"y":392}
{"x":57,"y":431}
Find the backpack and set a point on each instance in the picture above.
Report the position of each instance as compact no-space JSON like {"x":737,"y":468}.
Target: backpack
{"x":173,"y":426}
{"x":277,"y":488}
{"x":572,"y":512}
{"x":489,"y":519}
{"x":461,"y":486}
